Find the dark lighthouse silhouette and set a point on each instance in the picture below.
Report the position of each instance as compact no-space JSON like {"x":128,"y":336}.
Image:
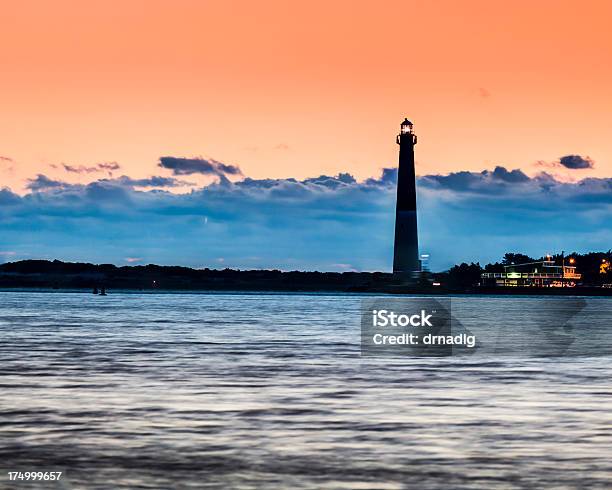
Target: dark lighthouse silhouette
{"x":406,"y":248}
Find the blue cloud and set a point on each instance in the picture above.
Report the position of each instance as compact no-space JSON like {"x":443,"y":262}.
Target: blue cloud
{"x":42,"y":182}
{"x":100,"y":167}
{"x":324,"y":223}
{"x":189,"y":166}
{"x":576,"y":162}
{"x":8,"y":197}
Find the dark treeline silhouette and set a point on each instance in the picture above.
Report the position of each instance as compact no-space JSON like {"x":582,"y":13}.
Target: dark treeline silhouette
{"x":57,"y":274}
{"x":465,"y":276}
{"x":459,"y":278}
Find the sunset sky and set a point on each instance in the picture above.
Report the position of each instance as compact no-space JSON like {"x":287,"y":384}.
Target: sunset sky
{"x":299,"y":89}
{"x":283,"y":89}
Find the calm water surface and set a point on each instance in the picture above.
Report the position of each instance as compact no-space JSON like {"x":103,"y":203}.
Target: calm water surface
{"x":269,"y":391}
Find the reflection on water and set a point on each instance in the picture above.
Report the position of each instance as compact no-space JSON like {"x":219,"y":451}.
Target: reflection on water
{"x":269,"y":391}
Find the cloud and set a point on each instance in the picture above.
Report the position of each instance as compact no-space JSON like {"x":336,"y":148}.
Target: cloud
{"x":109,"y":166}
{"x":388,"y":177}
{"x":189,"y":166}
{"x":42,"y":183}
{"x":100,"y":167}
{"x":342,"y":179}
{"x":155,"y":181}
{"x":506,"y":186}
{"x":8,"y":197}
{"x":500,"y":179}
{"x":572,"y":162}
{"x":576,"y":162}
{"x":324,"y":223}
{"x":282,"y":223}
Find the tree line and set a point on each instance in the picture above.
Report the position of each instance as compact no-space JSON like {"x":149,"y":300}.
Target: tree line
{"x":595,"y":267}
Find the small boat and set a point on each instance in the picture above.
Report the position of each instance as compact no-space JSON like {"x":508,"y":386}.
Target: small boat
{"x":102,"y":291}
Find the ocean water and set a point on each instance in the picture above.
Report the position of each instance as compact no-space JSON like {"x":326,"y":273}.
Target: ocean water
{"x":269,"y":391}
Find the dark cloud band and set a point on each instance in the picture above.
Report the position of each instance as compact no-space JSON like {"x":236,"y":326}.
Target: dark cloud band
{"x":576,"y":162}
{"x":100,"y":167}
{"x":189,"y":166}
{"x":306,"y":224}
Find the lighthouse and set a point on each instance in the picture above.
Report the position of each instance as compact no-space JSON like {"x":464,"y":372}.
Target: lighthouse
{"x":406,"y":248}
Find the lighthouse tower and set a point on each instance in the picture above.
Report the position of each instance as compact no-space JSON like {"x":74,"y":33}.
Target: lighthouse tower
{"x":406,"y":249}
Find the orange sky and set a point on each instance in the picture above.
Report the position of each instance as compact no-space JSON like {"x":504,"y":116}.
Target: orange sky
{"x":299,"y":89}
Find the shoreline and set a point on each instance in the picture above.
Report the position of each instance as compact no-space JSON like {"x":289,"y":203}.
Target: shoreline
{"x":86,"y":277}
{"x":521,"y":292}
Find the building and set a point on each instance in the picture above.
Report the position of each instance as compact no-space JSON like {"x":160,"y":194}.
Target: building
{"x":406,"y":245}
{"x":542,"y":273}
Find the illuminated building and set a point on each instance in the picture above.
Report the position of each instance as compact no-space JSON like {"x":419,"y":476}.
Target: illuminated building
{"x":542,"y":273}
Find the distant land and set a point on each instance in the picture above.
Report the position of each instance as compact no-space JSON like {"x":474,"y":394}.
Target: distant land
{"x":460,"y":279}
